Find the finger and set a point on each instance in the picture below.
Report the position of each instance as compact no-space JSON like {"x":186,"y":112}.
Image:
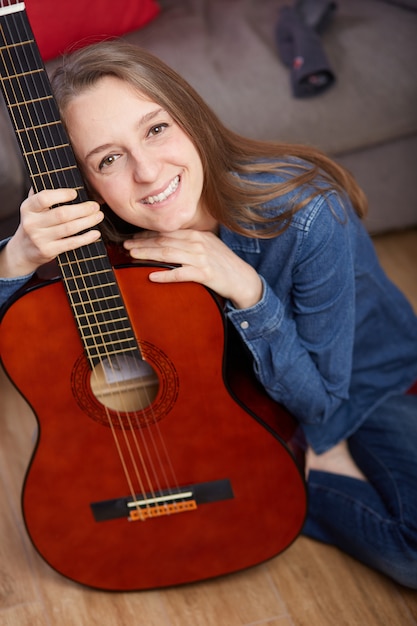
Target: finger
{"x":176,"y":275}
{"x":167,"y":246}
{"x":169,"y":254}
{"x":47,"y":198}
{"x":50,"y":226}
{"x":139,"y":239}
{"x":155,"y":238}
{"x":77,"y":224}
{"x":66,"y":214}
{"x":72,"y":243}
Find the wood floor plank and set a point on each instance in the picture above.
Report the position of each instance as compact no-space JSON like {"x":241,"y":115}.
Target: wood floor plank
{"x":321,"y":585}
{"x":17,"y":582}
{"x":409,"y":597}
{"x":69,"y":604}
{"x":16,"y":576}
{"x":24,"y":615}
{"x":279,"y":621}
{"x":397,"y":253}
{"x":66,"y":603}
{"x":241,"y":598}
{"x":17,"y":434}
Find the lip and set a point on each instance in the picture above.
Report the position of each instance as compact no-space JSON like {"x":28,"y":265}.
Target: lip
{"x":162,"y":189}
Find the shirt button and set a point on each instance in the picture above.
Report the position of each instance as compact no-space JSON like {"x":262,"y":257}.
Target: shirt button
{"x":244,"y":325}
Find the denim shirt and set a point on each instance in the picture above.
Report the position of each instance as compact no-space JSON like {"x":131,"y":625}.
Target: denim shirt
{"x":8,"y":286}
{"x":332,"y":336}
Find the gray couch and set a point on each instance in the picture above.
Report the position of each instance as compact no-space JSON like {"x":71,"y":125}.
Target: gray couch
{"x":226,"y":49}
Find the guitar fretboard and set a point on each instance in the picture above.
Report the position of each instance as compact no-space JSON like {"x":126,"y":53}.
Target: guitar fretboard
{"x":87,"y":274}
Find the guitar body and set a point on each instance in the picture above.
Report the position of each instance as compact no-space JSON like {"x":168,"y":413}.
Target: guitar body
{"x":148,"y":470}
{"x":248,"y":491}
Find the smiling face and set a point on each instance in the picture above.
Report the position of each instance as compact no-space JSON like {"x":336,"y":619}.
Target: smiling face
{"x":137,"y":158}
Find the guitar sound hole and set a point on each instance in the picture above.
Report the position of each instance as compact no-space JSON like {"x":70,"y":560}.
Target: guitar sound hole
{"x":124,"y":383}
{"x":152,"y":385}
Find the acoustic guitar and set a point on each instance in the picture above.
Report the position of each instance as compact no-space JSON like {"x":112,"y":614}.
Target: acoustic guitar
{"x":159,"y":459}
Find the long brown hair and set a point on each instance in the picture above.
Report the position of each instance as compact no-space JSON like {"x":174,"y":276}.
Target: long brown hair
{"x":233,"y":201}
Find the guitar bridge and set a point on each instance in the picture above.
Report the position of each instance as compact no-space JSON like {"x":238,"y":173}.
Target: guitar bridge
{"x":165,"y":502}
{"x":142,"y":513}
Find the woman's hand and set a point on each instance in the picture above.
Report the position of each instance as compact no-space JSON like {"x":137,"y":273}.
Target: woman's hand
{"x":43,"y":233}
{"x":203,"y":258}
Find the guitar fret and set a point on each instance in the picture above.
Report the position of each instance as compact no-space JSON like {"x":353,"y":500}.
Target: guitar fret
{"x":113,"y":336}
{"x":97,"y":345}
{"x":44,"y":159}
{"x":25,"y":103}
{"x":94,"y":331}
{"x":113,"y":352}
{"x":96,"y":324}
{"x":78,"y":278}
{"x":28,"y":111}
{"x":99,"y":332}
{"x":38,"y":126}
{"x":100,"y":328}
{"x":19,"y":44}
{"x":93,"y":289}
{"x":99,"y":317}
{"x":97,"y":273}
{"x":31,"y":140}
{"x":30,"y":115}
{"x":47,"y":150}
{"x":24,"y":74}
{"x":81,"y":260}
{"x":77,"y":282}
{"x":20,"y":94}
{"x":90,"y":289}
{"x":104,"y":311}
{"x":55,"y":171}
{"x":54,"y":182}
{"x":74,"y":271}
{"x":93,"y":301}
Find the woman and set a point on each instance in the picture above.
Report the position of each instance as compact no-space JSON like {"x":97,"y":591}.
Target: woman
{"x":275,"y":230}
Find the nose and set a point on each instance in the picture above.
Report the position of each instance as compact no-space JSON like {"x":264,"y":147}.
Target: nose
{"x":145,"y":167}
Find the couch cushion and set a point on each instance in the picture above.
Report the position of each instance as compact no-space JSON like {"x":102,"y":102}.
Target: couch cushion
{"x":227,"y":50}
{"x":71,"y":23}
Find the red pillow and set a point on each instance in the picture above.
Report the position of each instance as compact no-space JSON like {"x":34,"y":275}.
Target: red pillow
{"x":69,"y":24}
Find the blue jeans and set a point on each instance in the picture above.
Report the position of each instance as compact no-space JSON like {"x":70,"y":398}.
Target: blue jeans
{"x":374,"y":521}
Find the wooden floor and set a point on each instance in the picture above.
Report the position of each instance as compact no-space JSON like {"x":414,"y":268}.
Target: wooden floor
{"x":309,"y":585}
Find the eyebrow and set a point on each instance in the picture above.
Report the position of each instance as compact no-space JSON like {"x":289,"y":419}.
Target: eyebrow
{"x":144,"y":120}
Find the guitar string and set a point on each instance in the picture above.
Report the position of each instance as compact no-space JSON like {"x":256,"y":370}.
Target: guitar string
{"x":36,"y":186}
{"x":133,"y":430}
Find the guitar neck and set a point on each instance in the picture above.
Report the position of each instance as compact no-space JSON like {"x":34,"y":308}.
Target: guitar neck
{"x":32,"y":108}
{"x":87,"y":273}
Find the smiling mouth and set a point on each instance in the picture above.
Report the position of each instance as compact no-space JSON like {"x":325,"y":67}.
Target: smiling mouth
{"x":173,"y":186}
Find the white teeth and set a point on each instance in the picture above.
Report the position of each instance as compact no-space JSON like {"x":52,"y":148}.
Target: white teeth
{"x":164,"y":194}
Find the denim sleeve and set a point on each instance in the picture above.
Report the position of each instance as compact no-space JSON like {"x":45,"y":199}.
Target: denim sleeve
{"x":302,"y":348}
{"x":8,"y":286}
